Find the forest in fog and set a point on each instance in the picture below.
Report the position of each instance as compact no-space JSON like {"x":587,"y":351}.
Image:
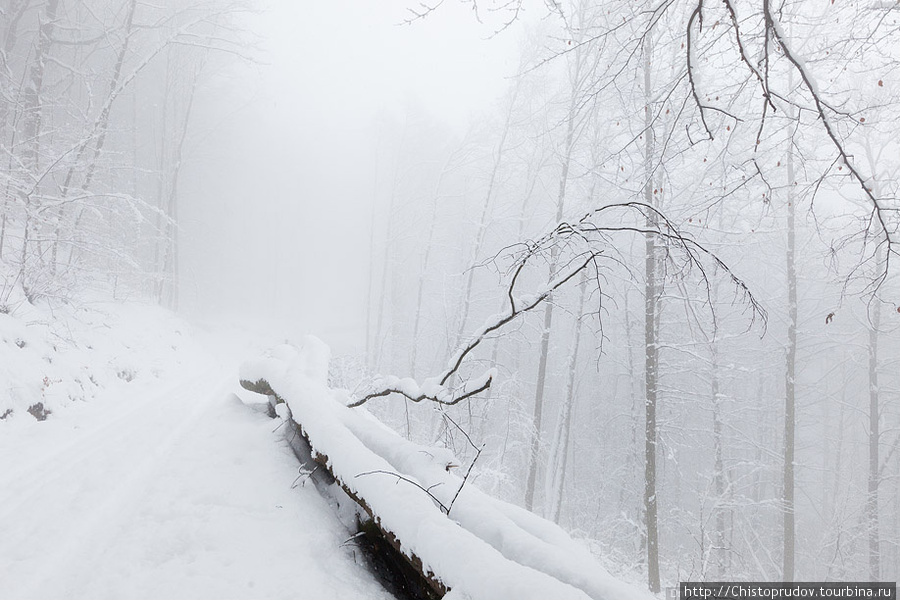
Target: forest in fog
{"x":97,"y":100}
{"x":665,"y":256}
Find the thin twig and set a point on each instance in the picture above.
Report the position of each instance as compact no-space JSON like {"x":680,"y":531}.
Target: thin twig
{"x":465,"y":478}
{"x":413,"y":482}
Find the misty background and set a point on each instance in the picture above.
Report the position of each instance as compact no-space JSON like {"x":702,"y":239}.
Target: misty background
{"x":282,"y":166}
{"x":661,"y":239}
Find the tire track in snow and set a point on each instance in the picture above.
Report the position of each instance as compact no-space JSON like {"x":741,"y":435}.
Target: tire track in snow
{"x":118,"y":505}
{"x":186,"y":496}
{"x":137,"y":427}
{"x":28,"y":479}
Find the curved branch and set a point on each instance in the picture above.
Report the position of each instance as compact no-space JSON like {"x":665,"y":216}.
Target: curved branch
{"x":878,"y":209}
{"x":440,"y":394}
{"x":697,"y":15}
{"x":585,"y":240}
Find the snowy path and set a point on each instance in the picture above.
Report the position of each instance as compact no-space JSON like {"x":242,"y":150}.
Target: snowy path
{"x":178,"y":492}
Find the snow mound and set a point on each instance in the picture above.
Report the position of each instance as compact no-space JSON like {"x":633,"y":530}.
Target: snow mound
{"x":477,"y":546}
{"x":51,"y":357}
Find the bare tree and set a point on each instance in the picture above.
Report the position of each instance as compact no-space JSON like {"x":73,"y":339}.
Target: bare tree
{"x":790,"y":374}
{"x":579,"y":74}
{"x":66,"y":206}
{"x":652,"y":306}
{"x":875,"y":467}
{"x":496,"y":164}
{"x":735,"y":65}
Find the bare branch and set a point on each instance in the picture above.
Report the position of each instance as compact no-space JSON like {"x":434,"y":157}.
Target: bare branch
{"x":444,"y":509}
{"x":586,"y":241}
{"x":696,"y":15}
{"x":440,"y":394}
{"x":732,"y":13}
{"x":878,"y":209}
{"x":465,"y":478}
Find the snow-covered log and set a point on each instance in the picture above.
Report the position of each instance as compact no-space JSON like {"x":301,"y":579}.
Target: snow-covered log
{"x":464,"y":542}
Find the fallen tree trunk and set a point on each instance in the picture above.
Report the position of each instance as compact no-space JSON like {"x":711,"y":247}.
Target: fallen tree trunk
{"x":403,"y":575}
{"x":461,"y":542}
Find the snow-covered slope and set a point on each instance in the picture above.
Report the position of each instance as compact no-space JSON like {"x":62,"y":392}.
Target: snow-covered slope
{"x":53,"y":357}
{"x":164,"y":486}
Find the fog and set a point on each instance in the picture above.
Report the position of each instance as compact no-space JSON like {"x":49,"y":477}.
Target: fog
{"x":631,"y":266}
{"x":281,"y":168}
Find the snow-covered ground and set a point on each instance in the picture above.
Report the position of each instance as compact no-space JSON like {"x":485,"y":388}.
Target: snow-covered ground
{"x":147,"y":476}
{"x":53,"y":357}
{"x":162,"y":486}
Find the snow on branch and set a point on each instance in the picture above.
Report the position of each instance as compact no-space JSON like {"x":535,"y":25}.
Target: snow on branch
{"x":434,"y":389}
{"x":588,"y":244}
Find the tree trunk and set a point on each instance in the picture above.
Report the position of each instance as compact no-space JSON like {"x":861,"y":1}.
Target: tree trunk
{"x":162,"y":227}
{"x":534,"y":172}
{"x":33,"y":95}
{"x":874,"y":480}
{"x":423,"y":272}
{"x":172,"y":250}
{"x":537,"y":419}
{"x":559,"y":452}
{"x":31,"y":134}
{"x":789,"y":379}
{"x":874,"y":440}
{"x":370,"y":352}
{"x":101,"y":127}
{"x":651,"y":366}
{"x":837,"y":480}
{"x":485,"y":210}
{"x":16,"y":10}
{"x":633,"y":457}
{"x":651,"y":345}
{"x":383,"y":297}
{"x":719,"y":543}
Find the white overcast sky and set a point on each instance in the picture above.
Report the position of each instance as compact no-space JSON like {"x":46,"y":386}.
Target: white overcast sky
{"x":354,"y":57}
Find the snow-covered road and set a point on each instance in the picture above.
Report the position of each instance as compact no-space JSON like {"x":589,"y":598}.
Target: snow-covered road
{"x":171,"y":490}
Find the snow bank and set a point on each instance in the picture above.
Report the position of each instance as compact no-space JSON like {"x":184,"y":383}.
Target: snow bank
{"x":53,"y":357}
{"x":483,"y":548}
